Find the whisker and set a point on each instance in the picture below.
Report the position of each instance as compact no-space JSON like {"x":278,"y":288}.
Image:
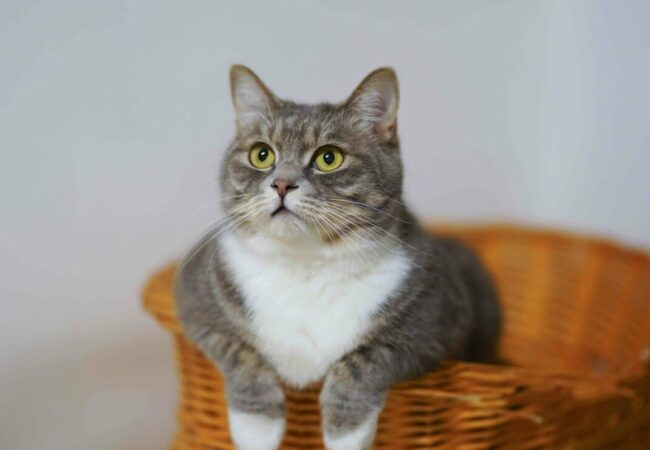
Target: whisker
{"x":377,"y":227}
{"x":371,"y":232}
{"x":345,"y":239}
{"x":349,"y":241}
{"x":214,"y":203}
{"x":231,"y":212}
{"x":231,"y":226}
{"x":216,"y":228}
{"x":338,"y":199}
{"x":377,"y":237}
{"x":368,"y":190}
{"x":342,"y":221}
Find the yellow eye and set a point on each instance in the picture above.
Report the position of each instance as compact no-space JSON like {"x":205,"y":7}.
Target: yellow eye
{"x":261,"y":156}
{"x":328,"y":158}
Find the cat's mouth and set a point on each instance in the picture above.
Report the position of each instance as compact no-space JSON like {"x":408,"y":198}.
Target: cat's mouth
{"x":281,"y":210}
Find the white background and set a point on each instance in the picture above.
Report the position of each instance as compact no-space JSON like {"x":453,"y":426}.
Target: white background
{"x":114,"y":115}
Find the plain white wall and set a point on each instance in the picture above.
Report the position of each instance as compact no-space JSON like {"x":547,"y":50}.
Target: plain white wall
{"x":113,"y":116}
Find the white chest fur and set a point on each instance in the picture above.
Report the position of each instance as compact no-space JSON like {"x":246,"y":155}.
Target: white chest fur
{"x":305,"y":315}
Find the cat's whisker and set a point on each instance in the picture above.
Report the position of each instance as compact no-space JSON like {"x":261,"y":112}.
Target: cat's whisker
{"x":371,"y":191}
{"x":321,"y":220}
{"x":373,"y":234}
{"x":371,"y":231}
{"x":231,"y":212}
{"x":369,"y":245}
{"x":345,"y":231}
{"x":210,"y":204}
{"x":342,"y":200}
{"x":314,"y":212}
{"x":377,"y":239}
{"x":236,"y":221}
{"x":220,"y":225}
{"x":379,"y":228}
{"x":231,"y":226}
{"x":346,"y":240}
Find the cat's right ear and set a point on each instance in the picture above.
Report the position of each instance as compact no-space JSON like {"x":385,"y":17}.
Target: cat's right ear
{"x":375,"y":101}
{"x":252,"y":100}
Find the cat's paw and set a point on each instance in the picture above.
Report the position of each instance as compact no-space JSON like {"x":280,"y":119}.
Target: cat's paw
{"x":359,"y":438}
{"x":350,"y":412}
{"x":250,"y":431}
{"x":255,"y":410}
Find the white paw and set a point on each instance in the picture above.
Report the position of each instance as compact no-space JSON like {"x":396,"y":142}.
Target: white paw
{"x":255,"y":431}
{"x":360,"y":438}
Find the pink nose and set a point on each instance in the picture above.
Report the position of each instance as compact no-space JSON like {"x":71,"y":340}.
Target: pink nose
{"x":283,"y":187}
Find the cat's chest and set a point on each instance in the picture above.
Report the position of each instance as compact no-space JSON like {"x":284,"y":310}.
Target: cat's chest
{"x":305,"y":318}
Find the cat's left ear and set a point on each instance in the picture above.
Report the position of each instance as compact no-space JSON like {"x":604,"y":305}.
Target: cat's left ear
{"x":376,"y":100}
{"x":252,"y":100}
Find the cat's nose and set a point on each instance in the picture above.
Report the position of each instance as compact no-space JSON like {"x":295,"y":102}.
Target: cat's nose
{"x":283,"y":187}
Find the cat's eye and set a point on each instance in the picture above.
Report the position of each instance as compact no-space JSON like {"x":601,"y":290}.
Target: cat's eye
{"x":328,"y":158}
{"x":261,"y":156}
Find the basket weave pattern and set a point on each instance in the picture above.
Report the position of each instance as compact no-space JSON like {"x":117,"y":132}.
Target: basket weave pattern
{"x":577,"y":329}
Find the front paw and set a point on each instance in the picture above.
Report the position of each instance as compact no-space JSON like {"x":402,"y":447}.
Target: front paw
{"x":359,"y":437}
{"x":256,"y":415}
{"x":350,"y":415}
{"x":252,"y":431}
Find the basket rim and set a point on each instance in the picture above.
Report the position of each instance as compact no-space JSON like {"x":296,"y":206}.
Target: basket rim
{"x":521,"y":228}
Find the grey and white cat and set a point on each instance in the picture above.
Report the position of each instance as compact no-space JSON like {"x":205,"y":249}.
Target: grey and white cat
{"x":320,"y":271}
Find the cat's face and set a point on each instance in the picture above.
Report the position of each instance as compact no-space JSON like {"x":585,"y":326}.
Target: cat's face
{"x":325,"y":170}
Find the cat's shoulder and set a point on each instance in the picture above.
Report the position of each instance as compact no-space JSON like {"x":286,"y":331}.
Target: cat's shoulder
{"x":199,"y":273}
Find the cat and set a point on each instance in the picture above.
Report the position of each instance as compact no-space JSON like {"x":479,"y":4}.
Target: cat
{"x":320,"y":272}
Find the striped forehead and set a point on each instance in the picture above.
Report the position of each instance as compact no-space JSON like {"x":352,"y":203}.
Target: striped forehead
{"x":300,"y":130}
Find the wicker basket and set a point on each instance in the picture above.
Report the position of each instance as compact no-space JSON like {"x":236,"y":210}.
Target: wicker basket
{"x":577,"y":327}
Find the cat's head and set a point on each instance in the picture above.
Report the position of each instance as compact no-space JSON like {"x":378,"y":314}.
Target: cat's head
{"x":326,"y":170}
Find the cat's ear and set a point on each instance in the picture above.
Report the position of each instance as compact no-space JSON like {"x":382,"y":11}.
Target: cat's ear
{"x":252,"y":100}
{"x":376,"y":100}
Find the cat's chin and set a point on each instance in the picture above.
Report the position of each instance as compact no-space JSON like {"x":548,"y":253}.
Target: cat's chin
{"x":286,"y":225}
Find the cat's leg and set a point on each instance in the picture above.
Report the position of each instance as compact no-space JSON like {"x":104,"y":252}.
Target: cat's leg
{"x":212,"y":317}
{"x":255,"y":413}
{"x":356,"y":386}
{"x":255,"y":397}
{"x":350,"y":405}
